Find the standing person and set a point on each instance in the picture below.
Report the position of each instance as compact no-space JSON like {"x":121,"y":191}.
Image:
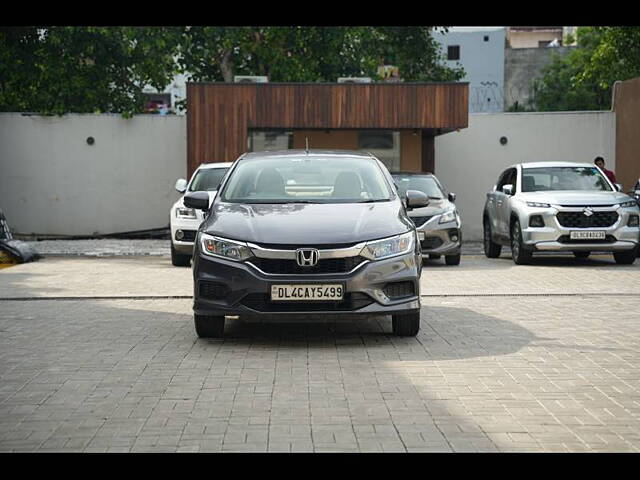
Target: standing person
{"x":599,"y":161}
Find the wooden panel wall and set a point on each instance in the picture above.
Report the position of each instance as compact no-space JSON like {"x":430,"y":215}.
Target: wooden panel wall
{"x":220,"y":114}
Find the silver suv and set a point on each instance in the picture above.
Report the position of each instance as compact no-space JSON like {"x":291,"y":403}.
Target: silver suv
{"x":559,"y":206}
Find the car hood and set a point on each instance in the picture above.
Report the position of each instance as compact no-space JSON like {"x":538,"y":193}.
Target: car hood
{"x":307,"y":224}
{"x":436,"y":207}
{"x":575,"y":197}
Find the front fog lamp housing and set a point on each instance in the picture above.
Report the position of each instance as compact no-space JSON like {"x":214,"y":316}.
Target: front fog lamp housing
{"x":633,"y":221}
{"x":220,"y":247}
{"x":536,"y":221}
{"x":389,"y":247}
{"x":183,"y":212}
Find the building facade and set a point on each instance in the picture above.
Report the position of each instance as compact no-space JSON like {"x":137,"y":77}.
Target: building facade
{"x":480,"y":51}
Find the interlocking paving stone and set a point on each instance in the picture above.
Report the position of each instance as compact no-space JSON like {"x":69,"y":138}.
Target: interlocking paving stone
{"x":485,"y":373}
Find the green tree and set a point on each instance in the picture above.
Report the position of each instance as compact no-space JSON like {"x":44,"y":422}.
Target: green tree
{"x":303,"y":54}
{"x":56,"y":70}
{"x":583,"y":79}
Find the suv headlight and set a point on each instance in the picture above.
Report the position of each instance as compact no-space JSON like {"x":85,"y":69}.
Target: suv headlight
{"x":183,"y":212}
{"x":538,"y":205}
{"x":389,"y":247}
{"x":220,"y":247}
{"x":632,"y":203}
{"x":448,"y":217}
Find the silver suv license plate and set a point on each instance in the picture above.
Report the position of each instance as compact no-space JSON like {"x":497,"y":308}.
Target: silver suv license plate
{"x":300,"y":292}
{"x":587,"y":235}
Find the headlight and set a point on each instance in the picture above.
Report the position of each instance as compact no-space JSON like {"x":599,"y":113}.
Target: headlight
{"x":448,"y":217}
{"x":632,"y":203}
{"x":389,"y":247}
{"x":220,"y":247}
{"x":182,"y":212}
{"x":538,"y":205}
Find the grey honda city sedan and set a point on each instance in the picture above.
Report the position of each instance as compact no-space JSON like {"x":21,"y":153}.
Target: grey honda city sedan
{"x":306,"y":235}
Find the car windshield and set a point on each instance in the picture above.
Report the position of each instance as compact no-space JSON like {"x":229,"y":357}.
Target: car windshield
{"x":423,"y":183}
{"x":563,"y":178}
{"x":307,"y":180}
{"x":207,"y":179}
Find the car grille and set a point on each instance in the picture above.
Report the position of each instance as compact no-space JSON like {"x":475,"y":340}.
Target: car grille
{"x":430,"y":243}
{"x":278,"y":266}
{"x":261,"y":302}
{"x":399,"y":289}
{"x":580,"y":220}
{"x":419,"y":221}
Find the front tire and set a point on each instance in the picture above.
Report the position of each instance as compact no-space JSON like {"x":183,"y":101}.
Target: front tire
{"x":406,"y":325}
{"x":452,"y":259}
{"x":520,"y":254}
{"x":625,"y":258}
{"x":208,"y":326}
{"x":178,"y":259}
{"x":491,"y":249}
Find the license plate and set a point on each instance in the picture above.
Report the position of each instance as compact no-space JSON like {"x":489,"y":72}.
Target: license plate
{"x":587,"y":235}
{"x":310,"y":292}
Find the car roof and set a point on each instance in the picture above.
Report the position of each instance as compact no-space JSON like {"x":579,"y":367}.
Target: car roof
{"x":306,"y":153}
{"x":203,"y":166}
{"x":555,"y":164}
{"x":414,"y":174}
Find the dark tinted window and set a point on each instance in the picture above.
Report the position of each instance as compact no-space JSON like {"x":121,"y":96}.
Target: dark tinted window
{"x":423,"y":183}
{"x":207,"y":179}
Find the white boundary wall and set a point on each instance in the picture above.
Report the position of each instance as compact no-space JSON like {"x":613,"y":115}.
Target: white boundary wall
{"x":469,"y":162}
{"x":52,"y":182}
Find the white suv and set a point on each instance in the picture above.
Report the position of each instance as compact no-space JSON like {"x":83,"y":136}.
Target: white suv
{"x":185,"y":221}
{"x":562,"y":207}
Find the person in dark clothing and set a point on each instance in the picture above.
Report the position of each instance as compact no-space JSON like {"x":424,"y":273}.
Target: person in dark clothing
{"x":599,"y":161}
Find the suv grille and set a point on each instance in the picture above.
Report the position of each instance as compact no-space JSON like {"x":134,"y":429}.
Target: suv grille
{"x":261,"y":302}
{"x":580,"y":220}
{"x":430,"y":243}
{"x":290,"y":267}
{"x":419,"y":221}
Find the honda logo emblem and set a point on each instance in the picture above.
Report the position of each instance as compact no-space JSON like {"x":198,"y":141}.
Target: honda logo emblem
{"x":587,"y":212}
{"x":307,"y":257}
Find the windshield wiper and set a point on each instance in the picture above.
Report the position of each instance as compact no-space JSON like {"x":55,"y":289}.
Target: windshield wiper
{"x":374,"y":200}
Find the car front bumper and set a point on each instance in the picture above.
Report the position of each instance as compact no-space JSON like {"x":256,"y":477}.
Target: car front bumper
{"x":440,"y":238}
{"x":190,"y":228}
{"x":555,"y":237}
{"x":248,"y":293}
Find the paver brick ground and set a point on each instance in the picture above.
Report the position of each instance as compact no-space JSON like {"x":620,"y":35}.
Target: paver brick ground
{"x":508,"y":372}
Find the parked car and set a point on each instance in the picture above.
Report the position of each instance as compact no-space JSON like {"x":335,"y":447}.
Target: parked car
{"x":184,"y":221}
{"x":559,"y":206}
{"x":438,"y":224}
{"x":303,"y":234}
{"x":635,"y":194}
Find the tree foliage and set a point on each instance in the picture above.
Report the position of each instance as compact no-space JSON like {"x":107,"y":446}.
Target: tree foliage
{"x":312,"y":54}
{"x":583,"y":79}
{"x":55,"y":70}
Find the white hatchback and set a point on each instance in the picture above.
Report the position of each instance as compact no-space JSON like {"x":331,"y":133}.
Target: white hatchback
{"x":185,"y":221}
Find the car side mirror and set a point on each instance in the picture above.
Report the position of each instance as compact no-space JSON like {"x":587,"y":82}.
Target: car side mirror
{"x":507,"y":189}
{"x":416,"y":199}
{"x":618,"y":187}
{"x":197,"y":200}
{"x":452,"y":197}
{"x":181,"y":185}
